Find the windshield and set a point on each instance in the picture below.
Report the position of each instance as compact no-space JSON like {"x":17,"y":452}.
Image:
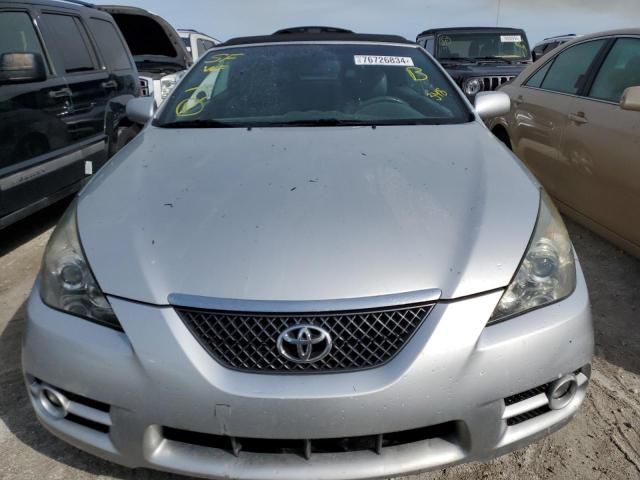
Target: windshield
{"x":313,"y":84}
{"x":483,"y":45}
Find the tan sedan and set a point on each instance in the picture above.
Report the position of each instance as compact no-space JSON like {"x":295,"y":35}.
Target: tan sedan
{"x":575,"y":122}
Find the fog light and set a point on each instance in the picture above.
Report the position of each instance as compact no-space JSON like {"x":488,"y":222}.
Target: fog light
{"x":53,"y":402}
{"x":562,"y":391}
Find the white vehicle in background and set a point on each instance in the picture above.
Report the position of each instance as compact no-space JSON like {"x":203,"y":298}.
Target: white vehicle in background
{"x":159,"y":53}
{"x":196,"y":43}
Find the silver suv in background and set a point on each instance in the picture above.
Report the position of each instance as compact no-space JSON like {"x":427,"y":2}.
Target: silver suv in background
{"x":160,"y":55}
{"x":197,"y":43}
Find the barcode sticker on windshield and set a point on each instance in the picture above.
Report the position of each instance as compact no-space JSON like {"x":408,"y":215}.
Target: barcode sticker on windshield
{"x":383,"y":60}
{"x":510,"y":38}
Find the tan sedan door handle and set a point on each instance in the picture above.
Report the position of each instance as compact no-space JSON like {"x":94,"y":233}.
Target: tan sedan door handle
{"x":518,"y":101}
{"x":578,"y":118}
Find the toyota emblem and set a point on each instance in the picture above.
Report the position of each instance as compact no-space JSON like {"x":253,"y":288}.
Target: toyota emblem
{"x":304,"y":343}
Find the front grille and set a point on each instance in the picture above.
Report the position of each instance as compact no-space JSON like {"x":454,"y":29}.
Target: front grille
{"x":306,"y":448}
{"x":360,"y":339}
{"x":491,"y":83}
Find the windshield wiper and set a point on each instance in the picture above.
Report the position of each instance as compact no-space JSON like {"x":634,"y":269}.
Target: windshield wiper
{"x":198,"y":123}
{"x":318,"y":122}
{"x":498,"y":59}
{"x":457,"y":59}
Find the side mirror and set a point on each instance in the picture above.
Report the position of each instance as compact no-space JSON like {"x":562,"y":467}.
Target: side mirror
{"x":492,"y":104}
{"x":141,"y":109}
{"x":631,"y":99}
{"x":21,"y":67}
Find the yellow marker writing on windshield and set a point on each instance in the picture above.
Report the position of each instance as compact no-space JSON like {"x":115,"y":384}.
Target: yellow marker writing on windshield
{"x":219,"y":62}
{"x":437,"y":94}
{"x":213,"y":68}
{"x":190,"y":107}
{"x":222,"y":58}
{"x":417,"y":74}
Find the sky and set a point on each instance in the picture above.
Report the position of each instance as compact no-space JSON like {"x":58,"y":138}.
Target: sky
{"x":224,"y":19}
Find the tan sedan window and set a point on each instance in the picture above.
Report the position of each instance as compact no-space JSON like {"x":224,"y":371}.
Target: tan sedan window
{"x":570,"y":66}
{"x":620,"y":71}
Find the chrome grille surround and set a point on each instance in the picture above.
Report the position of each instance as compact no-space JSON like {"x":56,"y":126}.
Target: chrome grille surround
{"x":362,"y":339}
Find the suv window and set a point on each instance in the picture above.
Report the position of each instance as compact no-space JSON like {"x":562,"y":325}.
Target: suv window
{"x":70,"y":41}
{"x":111,"y":46}
{"x":204,"y":46}
{"x":570,"y":67}
{"x":539,"y":51}
{"x":17,"y":34}
{"x":619,"y":71}
{"x":429,"y":44}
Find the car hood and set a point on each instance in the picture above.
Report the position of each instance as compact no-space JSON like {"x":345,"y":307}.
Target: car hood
{"x":307,"y":213}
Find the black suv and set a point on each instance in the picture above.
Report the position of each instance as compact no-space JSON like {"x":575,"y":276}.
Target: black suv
{"x":479,"y":59}
{"x":66,"y":75}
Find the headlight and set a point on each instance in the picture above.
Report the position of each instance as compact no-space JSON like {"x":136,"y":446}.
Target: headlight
{"x":169,"y":82}
{"x":547,"y":273}
{"x":472,"y":86}
{"x":67,"y":283}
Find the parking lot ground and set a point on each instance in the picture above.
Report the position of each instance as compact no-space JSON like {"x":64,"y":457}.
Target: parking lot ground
{"x":602,"y":442}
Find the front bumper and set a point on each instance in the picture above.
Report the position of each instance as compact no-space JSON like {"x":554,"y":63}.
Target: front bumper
{"x":455,"y":373}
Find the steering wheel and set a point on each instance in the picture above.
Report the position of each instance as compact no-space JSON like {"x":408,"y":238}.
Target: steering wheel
{"x":383,"y":99}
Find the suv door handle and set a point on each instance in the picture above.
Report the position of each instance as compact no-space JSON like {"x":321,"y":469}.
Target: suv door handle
{"x":579,"y":118}
{"x":109,"y":84}
{"x":63,"y":92}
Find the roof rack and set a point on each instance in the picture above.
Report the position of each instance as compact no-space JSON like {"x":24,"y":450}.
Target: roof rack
{"x":311,"y":29}
{"x":432,"y":31}
{"x":79,"y":2}
{"x":560,"y":36}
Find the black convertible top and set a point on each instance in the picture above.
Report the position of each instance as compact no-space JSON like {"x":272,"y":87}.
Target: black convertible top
{"x":317,"y":37}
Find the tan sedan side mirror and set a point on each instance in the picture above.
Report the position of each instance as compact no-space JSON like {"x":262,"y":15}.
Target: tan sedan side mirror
{"x":631,"y":99}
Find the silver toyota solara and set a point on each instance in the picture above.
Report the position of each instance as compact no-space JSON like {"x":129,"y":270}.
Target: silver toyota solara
{"x":314,"y":262}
